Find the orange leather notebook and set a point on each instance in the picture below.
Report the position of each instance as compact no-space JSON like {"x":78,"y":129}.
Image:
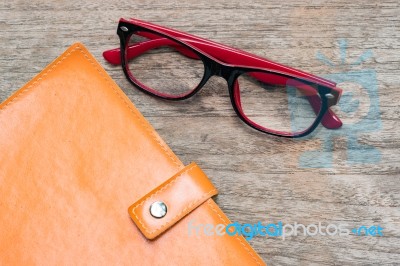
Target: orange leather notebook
{"x":86,"y":180}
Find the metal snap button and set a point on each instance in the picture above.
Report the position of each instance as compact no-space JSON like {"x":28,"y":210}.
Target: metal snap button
{"x":158,"y":209}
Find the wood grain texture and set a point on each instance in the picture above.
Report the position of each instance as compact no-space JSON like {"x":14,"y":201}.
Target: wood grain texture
{"x":259,"y":177}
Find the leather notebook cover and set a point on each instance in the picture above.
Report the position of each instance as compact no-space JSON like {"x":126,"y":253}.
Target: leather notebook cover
{"x":80,"y":169}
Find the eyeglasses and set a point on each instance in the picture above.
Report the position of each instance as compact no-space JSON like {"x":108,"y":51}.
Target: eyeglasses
{"x":267,"y":96}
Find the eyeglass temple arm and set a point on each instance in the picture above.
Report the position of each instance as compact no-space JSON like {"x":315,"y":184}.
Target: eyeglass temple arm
{"x":113,"y":56}
{"x":330,"y":120}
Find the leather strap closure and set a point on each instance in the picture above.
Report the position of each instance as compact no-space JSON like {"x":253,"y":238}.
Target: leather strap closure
{"x":178,"y":196}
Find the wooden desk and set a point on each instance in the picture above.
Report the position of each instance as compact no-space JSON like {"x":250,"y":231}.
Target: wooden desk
{"x":260,"y":178}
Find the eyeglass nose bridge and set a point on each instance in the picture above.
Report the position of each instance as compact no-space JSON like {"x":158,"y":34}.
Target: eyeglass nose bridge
{"x":220,"y":70}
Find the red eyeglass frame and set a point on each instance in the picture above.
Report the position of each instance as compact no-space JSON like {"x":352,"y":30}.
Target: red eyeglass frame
{"x":226,"y":62}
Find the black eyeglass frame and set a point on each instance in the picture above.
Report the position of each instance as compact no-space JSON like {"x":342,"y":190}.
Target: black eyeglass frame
{"x":329,"y":94}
